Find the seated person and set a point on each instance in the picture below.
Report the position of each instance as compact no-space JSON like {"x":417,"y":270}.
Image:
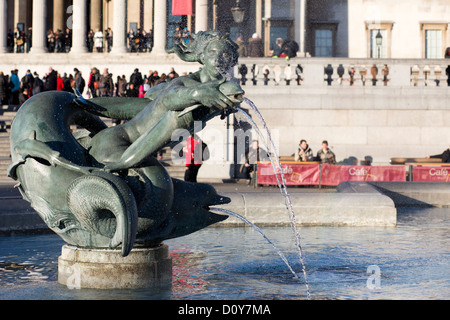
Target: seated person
{"x":444,"y":156}
{"x":254,"y":155}
{"x":304,"y":152}
{"x":325,"y":155}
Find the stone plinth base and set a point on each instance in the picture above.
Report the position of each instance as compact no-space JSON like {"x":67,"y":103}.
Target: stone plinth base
{"x":107,"y":269}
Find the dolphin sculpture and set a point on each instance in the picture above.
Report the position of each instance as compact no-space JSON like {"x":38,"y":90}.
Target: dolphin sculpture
{"x":101,"y":187}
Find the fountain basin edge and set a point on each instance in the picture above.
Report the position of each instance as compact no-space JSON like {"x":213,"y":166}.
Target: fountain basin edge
{"x":313,"y":209}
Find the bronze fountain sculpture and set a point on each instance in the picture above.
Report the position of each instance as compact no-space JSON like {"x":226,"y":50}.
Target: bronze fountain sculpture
{"x":102,"y":187}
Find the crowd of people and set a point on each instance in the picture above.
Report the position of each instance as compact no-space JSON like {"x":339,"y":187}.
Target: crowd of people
{"x":15,"y":90}
{"x":254,"y":47}
{"x":59,"y":41}
{"x":56,"y":40}
{"x":140,"y":40}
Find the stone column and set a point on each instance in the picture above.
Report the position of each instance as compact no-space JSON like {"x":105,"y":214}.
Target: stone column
{"x":148,"y":15}
{"x":39,"y":19}
{"x":58,"y":15}
{"x":258,"y":26}
{"x":160,"y":27}
{"x":78,"y":27}
{"x":96,"y":13}
{"x":201,"y":15}
{"x":267,"y":24}
{"x":119,"y":27}
{"x":300,"y":23}
{"x":3,"y":25}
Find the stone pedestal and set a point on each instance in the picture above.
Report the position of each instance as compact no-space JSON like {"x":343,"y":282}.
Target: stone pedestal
{"x":106,"y":269}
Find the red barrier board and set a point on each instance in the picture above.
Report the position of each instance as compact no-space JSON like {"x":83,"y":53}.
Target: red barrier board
{"x":294,"y":174}
{"x":332,"y":175}
{"x":431,"y":174}
{"x":327,"y":174}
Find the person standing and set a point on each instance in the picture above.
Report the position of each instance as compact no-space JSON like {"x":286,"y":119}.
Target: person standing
{"x":67,"y":40}
{"x":50,"y":79}
{"x":374,"y":73}
{"x":351,"y":74}
{"x":105,"y":84}
{"x":59,"y":83}
{"x":20,"y":41}
{"x":109,"y":39}
{"x":255,"y":46}
{"x":325,"y":155}
{"x":79,"y":82}
{"x":15,"y":87}
{"x":3,"y":87}
{"x":385,"y":72}
{"x":27,"y":83}
{"x":94,"y":79}
{"x":195,"y":152}
{"x":98,"y":40}
{"x":136,"y":78}
{"x":90,"y":40}
{"x":29,"y":38}
{"x":254,"y":155}
{"x":51,"y":40}
{"x":38,"y":84}
{"x":242,"y":47}
{"x":59,"y":41}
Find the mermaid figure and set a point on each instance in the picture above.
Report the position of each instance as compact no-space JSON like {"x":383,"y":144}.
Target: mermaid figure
{"x":102,"y":187}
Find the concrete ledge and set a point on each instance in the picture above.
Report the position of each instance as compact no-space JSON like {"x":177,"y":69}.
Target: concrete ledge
{"x":21,"y":222}
{"x":313,"y":209}
{"x":425,"y":194}
{"x":17,"y":216}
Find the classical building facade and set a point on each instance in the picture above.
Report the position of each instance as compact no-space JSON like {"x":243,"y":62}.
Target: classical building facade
{"x":322,"y":28}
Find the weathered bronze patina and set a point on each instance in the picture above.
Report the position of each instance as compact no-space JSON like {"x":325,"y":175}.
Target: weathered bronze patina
{"x":102,"y":187}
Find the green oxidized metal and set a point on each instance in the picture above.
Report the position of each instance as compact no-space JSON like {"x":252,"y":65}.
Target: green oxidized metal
{"x":102,"y":187}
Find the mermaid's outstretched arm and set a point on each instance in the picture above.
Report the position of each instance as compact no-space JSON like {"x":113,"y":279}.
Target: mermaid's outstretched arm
{"x":185,"y":92}
{"x":123,"y":108}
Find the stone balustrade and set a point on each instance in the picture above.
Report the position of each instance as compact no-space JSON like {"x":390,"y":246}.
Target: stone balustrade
{"x":335,"y":72}
{"x":281,"y":72}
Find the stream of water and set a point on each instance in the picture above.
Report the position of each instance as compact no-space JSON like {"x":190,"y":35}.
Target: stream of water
{"x":276,"y":165}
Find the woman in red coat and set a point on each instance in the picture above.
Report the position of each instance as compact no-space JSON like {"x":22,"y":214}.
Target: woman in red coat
{"x":59,"y":83}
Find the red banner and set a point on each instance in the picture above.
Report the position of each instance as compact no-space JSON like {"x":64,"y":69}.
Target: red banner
{"x":181,"y":7}
{"x":433,"y":174}
{"x":332,"y":175}
{"x":327,"y":174}
{"x":294,"y":174}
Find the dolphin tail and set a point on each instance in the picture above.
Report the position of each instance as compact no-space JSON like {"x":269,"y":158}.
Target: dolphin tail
{"x":104,"y":204}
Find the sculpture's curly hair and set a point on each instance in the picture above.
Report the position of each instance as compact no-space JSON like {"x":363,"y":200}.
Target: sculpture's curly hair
{"x":193,"y":50}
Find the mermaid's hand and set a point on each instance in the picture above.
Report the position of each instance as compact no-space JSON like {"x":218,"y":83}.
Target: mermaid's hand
{"x":209,"y":95}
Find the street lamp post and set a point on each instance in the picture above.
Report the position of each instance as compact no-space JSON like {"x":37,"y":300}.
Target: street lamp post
{"x":379,"y":42}
{"x":238,"y":12}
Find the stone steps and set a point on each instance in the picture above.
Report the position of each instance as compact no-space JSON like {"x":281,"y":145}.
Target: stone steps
{"x":7,"y":113}
{"x":4,"y":163}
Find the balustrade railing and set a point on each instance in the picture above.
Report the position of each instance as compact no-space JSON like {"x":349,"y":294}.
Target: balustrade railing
{"x":343,"y":72}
